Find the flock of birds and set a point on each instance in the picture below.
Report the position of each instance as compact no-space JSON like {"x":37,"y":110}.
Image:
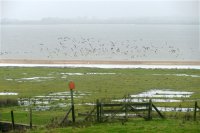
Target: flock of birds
{"x":88,"y":47}
{"x":94,"y":48}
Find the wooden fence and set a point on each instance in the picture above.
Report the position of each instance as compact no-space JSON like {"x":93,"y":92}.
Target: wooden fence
{"x":102,"y":112}
{"x":126,"y":108}
{"x":6,"y":126}
{"x":105,"y":111}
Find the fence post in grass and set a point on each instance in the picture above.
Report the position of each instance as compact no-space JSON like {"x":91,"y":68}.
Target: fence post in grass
{"x":72,"y":87}
{"x":97,"y":105}
{"x":126,"y":111}
{"x":195,"y":110}
{"x":12,"y":118}
{"x":150,"y":110}
{"x":30,"y":115}
{"x":101,"y":111}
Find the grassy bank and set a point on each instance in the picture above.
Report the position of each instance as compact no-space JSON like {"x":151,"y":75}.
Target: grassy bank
{"x":132,"y":126}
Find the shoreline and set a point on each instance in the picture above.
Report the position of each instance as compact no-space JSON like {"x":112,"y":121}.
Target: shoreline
{"x":97,"y":62}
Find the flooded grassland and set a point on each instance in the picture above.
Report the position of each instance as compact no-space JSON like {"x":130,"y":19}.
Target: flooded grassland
{"x":46,"y":91}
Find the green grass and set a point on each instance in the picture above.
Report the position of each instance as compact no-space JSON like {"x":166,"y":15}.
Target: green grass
{"x":132,"y":126}
{"x":38,"y":117}
{"x":125,"y":81}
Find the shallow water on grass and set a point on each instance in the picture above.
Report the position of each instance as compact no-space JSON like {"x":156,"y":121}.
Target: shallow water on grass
{"x":38,"y":79}
{"x":50,"y":101}
{"x":31,"y":79}
{"x":181,"y":75}
{"x":158,"y":96}
{"x":8,"y":93}
{"x":62,"y":99}
{"x":161,"y":96}
{"x":175,"y":109}
{"x":82,"y":74}
{"x":50,"y":76}
{"x":72,"y":74}
{"x":121,"y":114}
{"x":87,"y":73}
{"x":147,"y":100}
{"x":155,"y":93}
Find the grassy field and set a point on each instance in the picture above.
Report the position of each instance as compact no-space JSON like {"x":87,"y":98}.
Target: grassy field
{"x":102,"y":84}
{"x":133,"y":126}
{"x":125,"y":81}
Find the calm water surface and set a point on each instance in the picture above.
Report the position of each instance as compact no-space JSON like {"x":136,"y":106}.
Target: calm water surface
{"x":100,"y":42}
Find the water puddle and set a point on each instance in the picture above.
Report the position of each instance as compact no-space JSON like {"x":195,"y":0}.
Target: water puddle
{"x":63,"y":76}
{"x":81,"y":74}
{"x":8,"y":93}
{"x":175,"y":109}
{"x":38,"y":79}
{"x":164,"y":94}
{"x":147,"y":100}
{"x":9,"y":79}
{"x":100,"y":73}
{"x":181,"y":75}
{"x":121,"y":115}
{"x":158,"y":96}
{"x":72,"y":74}
{"x":35,"y":79}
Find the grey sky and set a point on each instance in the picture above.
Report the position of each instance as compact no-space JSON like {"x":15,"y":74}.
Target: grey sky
{"x":37,"y":9}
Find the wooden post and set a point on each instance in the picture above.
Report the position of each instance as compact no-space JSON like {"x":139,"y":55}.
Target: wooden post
{"x":72,"y":87}
{"x":150,"y":110}
{"x":30,"y":117}
{"x":101,"y":111}
{"x":72,"y":106}
{"x":195,"y":110}
{"x":12,"y":118}
{"x":66,"y":116}
{"x":125,"y":109}
{"x":158,"y":111}
{"x":97,"y":105}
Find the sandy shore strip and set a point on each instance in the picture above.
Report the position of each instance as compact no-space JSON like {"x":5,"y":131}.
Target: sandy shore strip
{"x":102,"y":64}
{"x":24,"y":61}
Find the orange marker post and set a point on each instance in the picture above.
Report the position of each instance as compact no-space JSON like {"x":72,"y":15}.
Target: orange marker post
{"x":72,"y":87}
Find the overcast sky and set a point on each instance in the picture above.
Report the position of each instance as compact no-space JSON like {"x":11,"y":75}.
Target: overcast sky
{"x":38,"y":9}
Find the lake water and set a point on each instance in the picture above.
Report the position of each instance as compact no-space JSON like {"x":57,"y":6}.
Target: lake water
{"x":101,"y":42}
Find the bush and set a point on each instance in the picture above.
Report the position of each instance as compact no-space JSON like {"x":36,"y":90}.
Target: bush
{"x":8,"y":102}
